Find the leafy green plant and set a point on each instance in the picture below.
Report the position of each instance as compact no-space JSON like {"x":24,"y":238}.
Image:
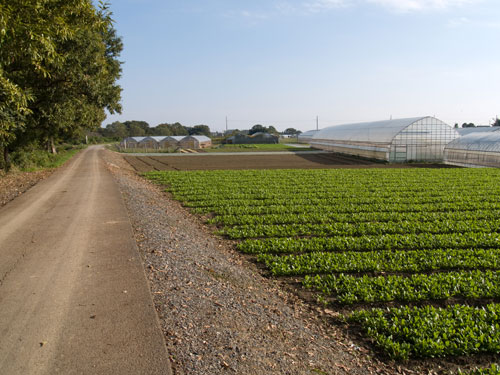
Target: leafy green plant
{"x":371,"y":236}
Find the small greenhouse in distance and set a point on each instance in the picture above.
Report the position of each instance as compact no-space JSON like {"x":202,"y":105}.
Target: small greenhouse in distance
{"x":398,"y":141}
{"x":474,"y":150}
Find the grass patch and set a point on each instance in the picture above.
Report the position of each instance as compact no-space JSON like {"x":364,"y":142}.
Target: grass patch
{"x":30,"y":160}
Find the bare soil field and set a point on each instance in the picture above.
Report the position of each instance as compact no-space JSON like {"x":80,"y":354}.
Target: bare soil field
{"x":278,"y":161}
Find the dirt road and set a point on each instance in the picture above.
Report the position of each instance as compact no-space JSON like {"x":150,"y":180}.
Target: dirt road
{"x":73,"y":295}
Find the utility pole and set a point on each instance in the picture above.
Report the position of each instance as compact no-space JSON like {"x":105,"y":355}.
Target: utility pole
{"x":317,"y":122}
{"x":226,"y":123}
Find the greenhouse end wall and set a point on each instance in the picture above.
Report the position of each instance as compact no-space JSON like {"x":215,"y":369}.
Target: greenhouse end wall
{"x":424,"y":140}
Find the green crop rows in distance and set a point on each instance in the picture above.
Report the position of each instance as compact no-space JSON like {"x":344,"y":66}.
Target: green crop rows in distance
{"x":357,"y":237}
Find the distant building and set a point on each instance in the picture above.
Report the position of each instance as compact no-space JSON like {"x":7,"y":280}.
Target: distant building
{"x":164,"y":142}
{"x":149,"y":142}
{"x":171,"y":141}
{"x":257,"y":138}
{"x":195,"y":142}
{"x":131,"y":142}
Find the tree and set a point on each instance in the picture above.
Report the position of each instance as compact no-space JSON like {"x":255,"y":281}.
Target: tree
{"x":178,"y":129}
{"x":497,"y":122}
{"x":170,"y":129}
{"x":469,"y":125}
{"x":291,"y":131}
{"x":271,"y":129}
{"x":257,"y":129}
{"x":58,"y":70}
{"x":138,"y":128}
{"x":134,"y":130}
{"x":162,"y":129}
{"x":116,"y":130}
{"x":27,"y":45}
{"x":199,"y":130}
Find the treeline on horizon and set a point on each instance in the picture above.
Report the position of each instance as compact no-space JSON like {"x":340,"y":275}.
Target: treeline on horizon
{"x":119,"y":130}
{"x":58,"y":73}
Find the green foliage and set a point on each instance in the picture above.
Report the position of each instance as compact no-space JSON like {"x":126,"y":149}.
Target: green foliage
{"x":432,"y":332}
{"x":119,"y":130}
{"x":262,"y":129}
{"x":199,"y":130}
{"x":292,"y":131}
{"x":348,"y":289}
{"x":31,"y":158}
{"x":58,"y":70}
{"x":371,"y":236}
{"x":382,"y":261}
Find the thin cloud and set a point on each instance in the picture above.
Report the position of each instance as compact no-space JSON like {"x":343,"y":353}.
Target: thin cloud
{"x":284,"y":7}
{"x":254,"y":15}
{"x":421,"y":5}
{"x":322,"y":5}
{"x":458,"y":22}
{"x":392,"y":5}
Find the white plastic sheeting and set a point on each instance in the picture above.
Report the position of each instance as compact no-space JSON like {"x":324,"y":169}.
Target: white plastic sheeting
{"x":474,"y":150}
{"x":306,"y":137}
{"x":401,"y":140}
{"x":478,"y":129}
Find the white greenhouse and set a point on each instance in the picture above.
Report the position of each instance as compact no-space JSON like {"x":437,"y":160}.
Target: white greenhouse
{"x":398,"y":141}
{"x":474,"y":150}
{"x":307,"y":136}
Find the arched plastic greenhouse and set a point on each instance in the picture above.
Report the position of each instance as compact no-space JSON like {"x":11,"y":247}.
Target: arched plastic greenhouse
{"x":474,"y":150}
{"x":307,"y":136}
{"x":399,"y":141}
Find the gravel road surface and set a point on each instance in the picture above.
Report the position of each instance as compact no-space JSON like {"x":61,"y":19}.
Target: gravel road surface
{"x":73,"y":294}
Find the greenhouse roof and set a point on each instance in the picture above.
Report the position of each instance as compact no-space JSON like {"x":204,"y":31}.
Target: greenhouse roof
{"x":479,"y":129}
{"x":200,"y":138}
{"x":378,"y":131}
{"x":158,"y":138}
{"x":485,"y":141}
{"x":137,"y":139}
{"x":309,"y":133}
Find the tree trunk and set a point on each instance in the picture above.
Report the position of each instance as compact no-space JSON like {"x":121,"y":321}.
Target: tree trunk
{"x":6,"y":159}
{"x":50,"y":146}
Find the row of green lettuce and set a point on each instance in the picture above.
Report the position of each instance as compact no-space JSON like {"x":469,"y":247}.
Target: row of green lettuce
{"x":426,"y":242}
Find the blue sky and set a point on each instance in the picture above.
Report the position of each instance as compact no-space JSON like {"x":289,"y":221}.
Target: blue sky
{"x":284,"y":62}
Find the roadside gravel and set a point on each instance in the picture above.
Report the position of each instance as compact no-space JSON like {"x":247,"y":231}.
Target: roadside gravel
{"x":218,"y":313}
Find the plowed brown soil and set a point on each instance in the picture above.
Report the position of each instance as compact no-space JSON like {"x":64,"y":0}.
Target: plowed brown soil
{"x":277,"y":161}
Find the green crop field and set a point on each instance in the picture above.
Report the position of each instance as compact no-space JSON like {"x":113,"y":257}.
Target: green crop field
{"x":424,"y":242}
